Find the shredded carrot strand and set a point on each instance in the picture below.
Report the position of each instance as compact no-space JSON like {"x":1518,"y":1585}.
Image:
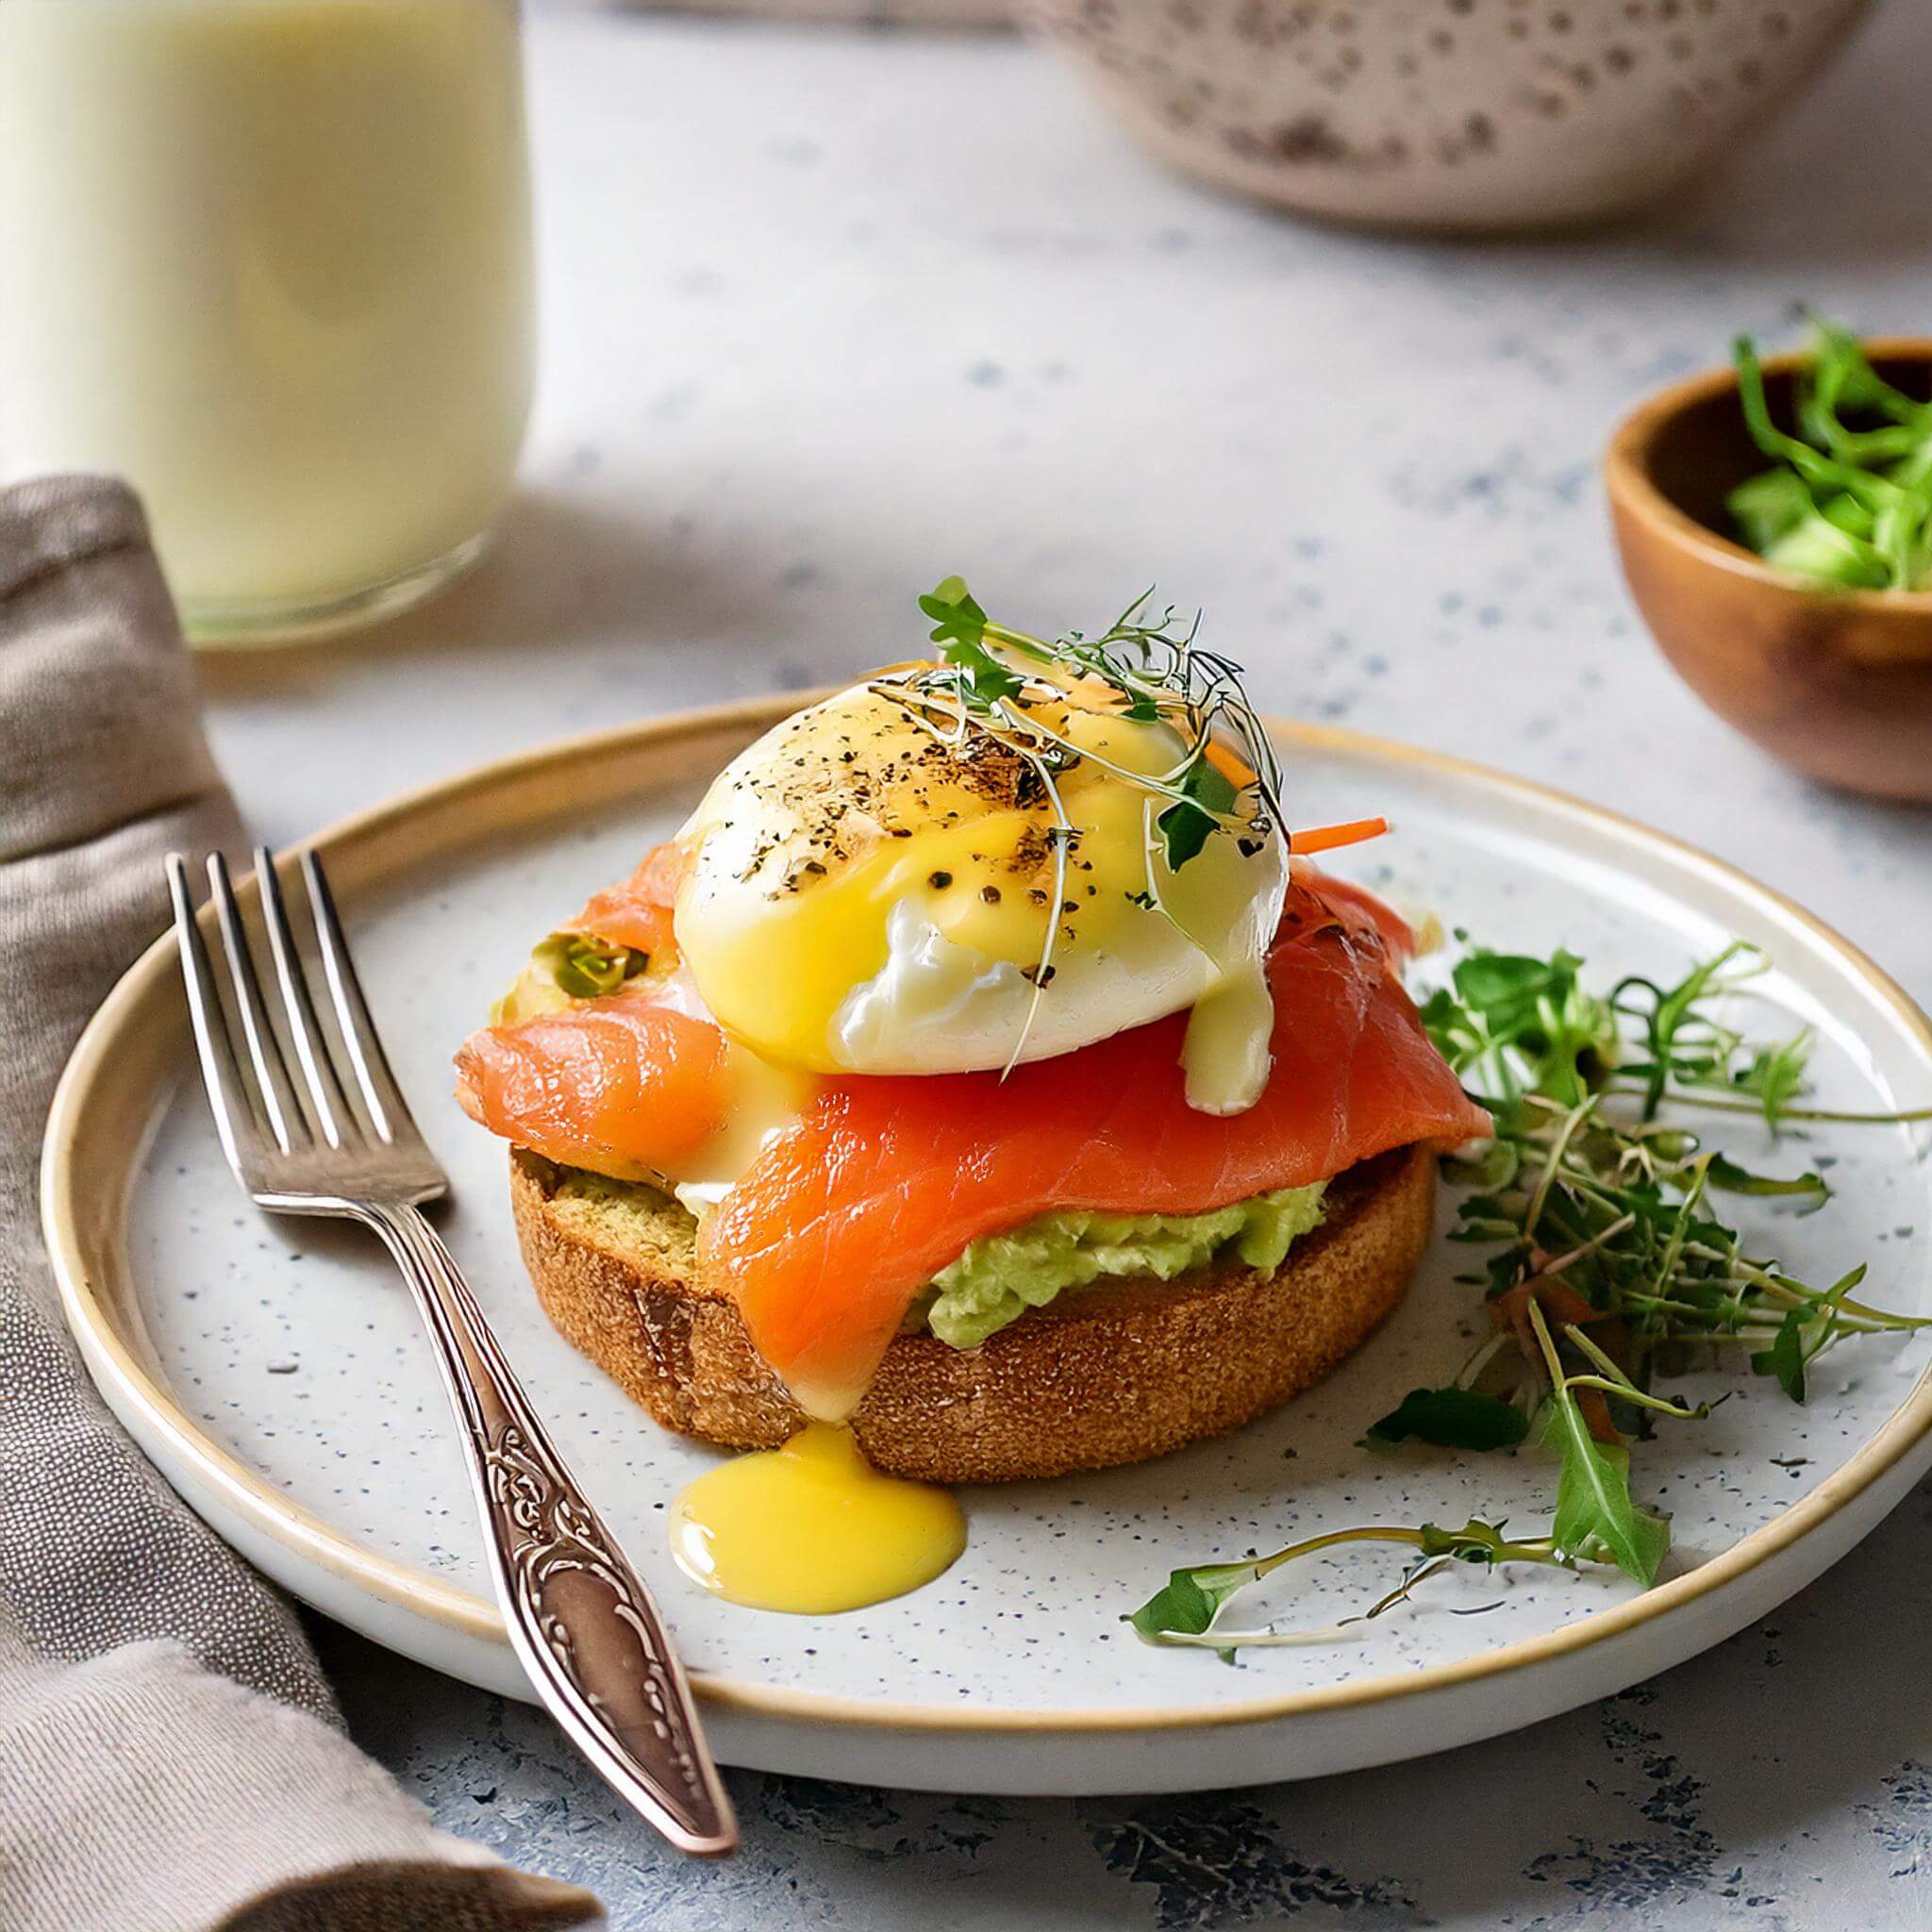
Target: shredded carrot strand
{"x":1327,"y":838}
{"x":1230,"y":764}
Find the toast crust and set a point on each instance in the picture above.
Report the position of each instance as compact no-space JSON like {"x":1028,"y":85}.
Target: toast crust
{"x":1111,"y":1375}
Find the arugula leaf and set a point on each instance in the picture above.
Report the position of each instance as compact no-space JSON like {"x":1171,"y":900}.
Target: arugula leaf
{"x":1476,"y":1541}
{"x":1452,"y":1419}
{"x":1605,"y":1249}
{"x":1593,"y":1506}
{"x":1807,"y":1329}
{"x":1725,"y":1174}
{"x":1505,"y":1005}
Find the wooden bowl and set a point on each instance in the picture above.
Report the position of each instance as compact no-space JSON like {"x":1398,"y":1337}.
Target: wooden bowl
{"x":1837,"y":683}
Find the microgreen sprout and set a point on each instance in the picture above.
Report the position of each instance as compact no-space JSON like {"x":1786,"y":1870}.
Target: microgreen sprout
{"x":1598,"y":1209}
{"x":1608,"y":1269}
{"x":1184,"y":1612}
{"x":1006,"y":685}
{"x":994,"y":679}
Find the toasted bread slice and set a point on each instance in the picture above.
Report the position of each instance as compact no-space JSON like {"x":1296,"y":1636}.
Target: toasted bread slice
{"x":1115,"y":1373}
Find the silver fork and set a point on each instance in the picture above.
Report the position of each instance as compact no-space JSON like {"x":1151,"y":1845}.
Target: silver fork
{"x":312,"y":1121}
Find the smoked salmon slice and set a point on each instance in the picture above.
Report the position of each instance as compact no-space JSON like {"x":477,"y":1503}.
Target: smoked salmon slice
{"x":624,"y":1086}
{"x":847,"y":1214}
{"x":638,"y":912}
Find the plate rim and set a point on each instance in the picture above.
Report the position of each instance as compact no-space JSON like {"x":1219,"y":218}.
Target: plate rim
{"x":310,"y":1537}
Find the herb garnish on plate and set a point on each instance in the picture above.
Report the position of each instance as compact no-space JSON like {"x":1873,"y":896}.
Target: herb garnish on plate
{"x":1610,"y":1266}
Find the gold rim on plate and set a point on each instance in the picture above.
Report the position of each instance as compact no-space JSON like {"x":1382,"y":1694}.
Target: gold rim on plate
{"x":124,"y":1050}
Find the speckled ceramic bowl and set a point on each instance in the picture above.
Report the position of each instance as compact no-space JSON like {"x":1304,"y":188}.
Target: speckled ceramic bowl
{"x":1471,"y":114}
{"x":920,"y":13}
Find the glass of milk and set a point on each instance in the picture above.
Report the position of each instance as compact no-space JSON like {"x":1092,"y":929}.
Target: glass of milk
{"x":270,"y":260}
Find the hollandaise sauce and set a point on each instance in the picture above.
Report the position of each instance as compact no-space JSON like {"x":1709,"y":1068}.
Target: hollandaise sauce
{"x":812,"y":1527}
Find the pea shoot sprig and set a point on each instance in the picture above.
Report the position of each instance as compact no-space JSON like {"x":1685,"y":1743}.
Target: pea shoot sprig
{"x":1849,"y":502}
{"x":1609,"y":1270}
{"x":1182,"y":1612}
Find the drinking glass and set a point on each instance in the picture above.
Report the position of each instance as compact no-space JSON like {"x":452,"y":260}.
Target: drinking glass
{"x":271,"y":261}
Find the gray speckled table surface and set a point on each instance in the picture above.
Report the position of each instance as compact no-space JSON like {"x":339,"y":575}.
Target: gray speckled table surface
{"x":828,"y":315}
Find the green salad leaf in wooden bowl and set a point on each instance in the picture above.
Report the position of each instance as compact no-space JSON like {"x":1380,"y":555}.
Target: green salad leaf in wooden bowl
{"x":1774,"y":521}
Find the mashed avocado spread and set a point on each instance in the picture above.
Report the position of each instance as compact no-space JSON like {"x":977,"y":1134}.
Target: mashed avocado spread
{"x":1002,"y":1276}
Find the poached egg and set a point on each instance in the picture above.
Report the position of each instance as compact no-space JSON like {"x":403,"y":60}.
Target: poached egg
{"x":867,"y":895}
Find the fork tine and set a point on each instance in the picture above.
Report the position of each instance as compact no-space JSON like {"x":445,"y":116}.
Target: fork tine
{"x":272,"y":1083}
{"x":234,"y":1105}
{"x":325,"y":1092}
{"x":380,"y":1092}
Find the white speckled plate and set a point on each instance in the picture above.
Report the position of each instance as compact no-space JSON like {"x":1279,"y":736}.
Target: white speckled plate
{"x":274,"y":1369}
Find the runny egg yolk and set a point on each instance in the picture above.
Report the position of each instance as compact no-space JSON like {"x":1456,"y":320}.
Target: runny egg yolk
{"x":865,"y":897}
{"x":812,"y":1527}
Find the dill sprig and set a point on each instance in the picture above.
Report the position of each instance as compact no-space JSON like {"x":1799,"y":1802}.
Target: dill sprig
{"x":1611,"y":1268}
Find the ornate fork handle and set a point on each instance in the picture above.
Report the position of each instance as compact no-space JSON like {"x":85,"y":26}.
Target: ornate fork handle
{"x":579,"y":1617}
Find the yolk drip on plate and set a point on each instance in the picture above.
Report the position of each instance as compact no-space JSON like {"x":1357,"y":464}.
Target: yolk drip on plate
{"x":812,"y":1527}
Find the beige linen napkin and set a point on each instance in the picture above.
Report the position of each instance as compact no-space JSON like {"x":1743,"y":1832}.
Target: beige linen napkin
{"x":170,"y":1759}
